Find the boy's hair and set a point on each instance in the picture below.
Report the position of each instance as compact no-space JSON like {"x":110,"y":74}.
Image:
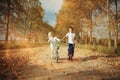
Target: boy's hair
{"x":71,"y":28}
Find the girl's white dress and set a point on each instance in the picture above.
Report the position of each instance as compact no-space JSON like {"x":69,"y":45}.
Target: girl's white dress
{"x":54,"y":44}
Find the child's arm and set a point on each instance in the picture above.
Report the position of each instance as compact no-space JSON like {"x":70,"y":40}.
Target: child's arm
{"x":57,"y":39}
{"x":48,"y":40}
{"x":75,"y":39}
{"x":64,"y":36}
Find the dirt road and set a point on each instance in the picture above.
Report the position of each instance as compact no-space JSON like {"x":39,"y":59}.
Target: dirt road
{"x":86,"y":65}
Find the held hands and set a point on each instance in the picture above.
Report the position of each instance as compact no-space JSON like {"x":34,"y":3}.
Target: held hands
{"x":61,"y":40}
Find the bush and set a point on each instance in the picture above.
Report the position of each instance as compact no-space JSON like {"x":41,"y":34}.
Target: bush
{"x":94,"y":48}
{"x":101,"y":49}
{"x":117,"y":50}
{"x":109,"y":50}
{"x":14,"y":45}
{"x":2,"y":46}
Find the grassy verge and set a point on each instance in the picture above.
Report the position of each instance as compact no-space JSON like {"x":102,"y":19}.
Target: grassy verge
{"x":100,"y":48}
{"x":18,"y":45}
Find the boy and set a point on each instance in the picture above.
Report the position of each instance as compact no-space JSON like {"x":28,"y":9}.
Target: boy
{"x":71,"y":42}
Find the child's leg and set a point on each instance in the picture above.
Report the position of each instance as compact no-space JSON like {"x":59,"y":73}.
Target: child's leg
{"x":73,"y":47}
{"x":56,"y":51}
{"x":52,"y":53}
{"x":56,"y":54}
{"x":70,"y":51}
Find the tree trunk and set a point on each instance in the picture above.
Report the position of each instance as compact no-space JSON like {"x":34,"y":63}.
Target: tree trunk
{"x":30,"y":32}
{"x":91,"y":31}
{"x":116,"y":27}
{"x":109,"y":29}
{"x":25,"y":29}
{"x":8,"y":20}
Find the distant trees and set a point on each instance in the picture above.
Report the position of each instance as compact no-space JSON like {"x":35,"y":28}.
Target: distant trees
{"x":5,"y":12}
{"x":87,"y":16}
{"x":116,"y":25}
{"x":108,"y":25}
{"x":7,"y":20}
{"x":23,"y":17}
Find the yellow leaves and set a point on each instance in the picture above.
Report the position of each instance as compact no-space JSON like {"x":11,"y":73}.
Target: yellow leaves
{"x":11,"y":62}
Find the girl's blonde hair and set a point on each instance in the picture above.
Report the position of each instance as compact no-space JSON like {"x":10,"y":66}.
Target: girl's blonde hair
{"x":50,"y":34}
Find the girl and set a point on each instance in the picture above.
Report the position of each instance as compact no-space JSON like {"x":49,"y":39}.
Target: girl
{"x":54,"y":44}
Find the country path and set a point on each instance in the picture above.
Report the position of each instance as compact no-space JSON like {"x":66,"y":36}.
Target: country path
{"x":86,"y":65}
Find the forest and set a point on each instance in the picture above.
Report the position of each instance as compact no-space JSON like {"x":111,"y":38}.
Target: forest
{"x":92,"y":19}
{"x":24,"y":36}
{"x":22,"y":21}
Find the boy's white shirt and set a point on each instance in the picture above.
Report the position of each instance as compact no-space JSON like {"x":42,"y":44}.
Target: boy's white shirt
{"x":71,"y":37}
{"x":52,"y":40}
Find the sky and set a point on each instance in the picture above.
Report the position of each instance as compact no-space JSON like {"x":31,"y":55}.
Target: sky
{"x":51,"y":8}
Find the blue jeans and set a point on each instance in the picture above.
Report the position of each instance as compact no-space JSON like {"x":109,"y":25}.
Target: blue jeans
{"x":71,"y":49}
